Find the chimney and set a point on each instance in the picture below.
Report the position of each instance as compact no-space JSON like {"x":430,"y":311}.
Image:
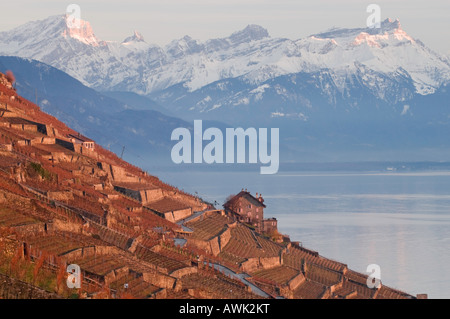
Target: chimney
{"x":256,"y":195}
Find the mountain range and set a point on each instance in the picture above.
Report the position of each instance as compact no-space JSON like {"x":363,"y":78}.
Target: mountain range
{"x":145,"y":133}
{"x":359,"y":90}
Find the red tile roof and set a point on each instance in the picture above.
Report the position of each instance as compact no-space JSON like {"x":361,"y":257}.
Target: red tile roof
{"x":244,"y":194}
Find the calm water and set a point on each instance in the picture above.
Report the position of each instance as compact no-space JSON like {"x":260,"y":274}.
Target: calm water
{"x":400,"y":221}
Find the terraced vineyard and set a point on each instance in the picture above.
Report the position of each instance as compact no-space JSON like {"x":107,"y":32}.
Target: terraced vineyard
{"x":217,"y":286}
{"x":245,"y":244}
{"x":280,"y":275}
{"x":322,"y":275}
{"x":158,"y":260}
{"x":206,"y":227}
{"x":58,"y":244}
{"x":60,"y":205}
{"x":296,"y":256}
{"x":310,"y":290}
{"x":100,"y":265}
{"x":11,"y":218}
{"x":136,"y":287}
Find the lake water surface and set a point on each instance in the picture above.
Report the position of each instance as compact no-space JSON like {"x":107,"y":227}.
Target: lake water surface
{"x":400,"y":221}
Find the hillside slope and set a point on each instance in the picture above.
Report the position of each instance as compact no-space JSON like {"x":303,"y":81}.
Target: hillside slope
{"x":114,"y":124}
{"x":345,"y":94}
{"x":66,"y":200}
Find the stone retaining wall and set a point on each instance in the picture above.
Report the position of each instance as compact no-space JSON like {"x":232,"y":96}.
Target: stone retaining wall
{"x":11,"y":288}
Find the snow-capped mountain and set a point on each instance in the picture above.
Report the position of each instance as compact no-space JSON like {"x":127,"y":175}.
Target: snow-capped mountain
{"x":344,"y":88}
{"x":134,"y":65}
{"x":114,"y":124}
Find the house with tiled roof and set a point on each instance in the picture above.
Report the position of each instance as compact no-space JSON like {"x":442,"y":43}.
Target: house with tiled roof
{"x":81,"y":143}
{"x":249,"y":209}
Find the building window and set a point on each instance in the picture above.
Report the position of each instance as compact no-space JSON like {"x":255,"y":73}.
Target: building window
{"x":250,"y":206}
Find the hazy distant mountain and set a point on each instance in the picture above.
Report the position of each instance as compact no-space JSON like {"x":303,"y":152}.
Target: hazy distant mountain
{"x":134,"y":65}
{"x":114,"y":124}
{"x":341,"y":91}
{"x":136,"y":101}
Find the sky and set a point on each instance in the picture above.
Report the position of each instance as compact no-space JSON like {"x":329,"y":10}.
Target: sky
{"x":163,"y":21}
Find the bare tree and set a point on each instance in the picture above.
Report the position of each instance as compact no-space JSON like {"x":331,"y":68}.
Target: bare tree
{"x":10,"y":77}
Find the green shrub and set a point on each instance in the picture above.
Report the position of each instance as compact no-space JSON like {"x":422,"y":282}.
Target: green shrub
{"x":45,"y":174}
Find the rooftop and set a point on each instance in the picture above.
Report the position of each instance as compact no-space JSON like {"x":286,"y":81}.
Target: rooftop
{"x":259,"y":202}
{"x":80,"y":138}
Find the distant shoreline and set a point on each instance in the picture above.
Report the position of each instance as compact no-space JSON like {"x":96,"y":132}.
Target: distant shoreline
{"x":342,"y":167}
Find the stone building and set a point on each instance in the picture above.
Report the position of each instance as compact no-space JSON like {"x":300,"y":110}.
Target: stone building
{"x":249,"y":209}
{"x":80,"y":140}
{"x":269,"y":225}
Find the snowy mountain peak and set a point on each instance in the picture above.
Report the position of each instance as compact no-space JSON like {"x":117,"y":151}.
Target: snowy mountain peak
{"x":387,"y":26}
{"x":389,"y":33}
{"x":80,"y":30}
{"x":390,"y":24}
{"x":249,"y":54}
{"x":183,"y":46}
{"x":252,"y":32}
{"x":136,"y":37}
